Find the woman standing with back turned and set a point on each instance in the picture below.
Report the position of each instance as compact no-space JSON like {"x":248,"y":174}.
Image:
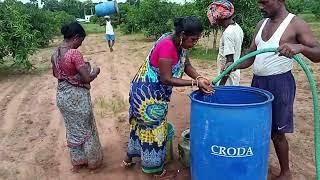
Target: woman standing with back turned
{"x":73,"y":98}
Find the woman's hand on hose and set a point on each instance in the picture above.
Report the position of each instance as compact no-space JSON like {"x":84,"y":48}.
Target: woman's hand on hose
{"x":205,"y":86}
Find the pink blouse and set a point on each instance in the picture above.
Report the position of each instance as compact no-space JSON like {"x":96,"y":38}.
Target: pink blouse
{"x":165,"y":49}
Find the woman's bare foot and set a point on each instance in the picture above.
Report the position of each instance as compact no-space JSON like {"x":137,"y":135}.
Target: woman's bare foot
{"x":95,"y":165}
{"x":161,"y":174}
{"x":166,"y":175}
{"x":284,"y":176}
{"x":96,"y":168}
{"x":127,"y":162}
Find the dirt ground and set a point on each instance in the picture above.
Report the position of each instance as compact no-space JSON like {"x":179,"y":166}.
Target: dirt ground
{"x":32,"y":133}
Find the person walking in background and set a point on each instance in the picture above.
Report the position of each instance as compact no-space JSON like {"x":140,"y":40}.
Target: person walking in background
{"x":73,"y":98}
{"x":110,"y":36}
{"x":220,"y":14}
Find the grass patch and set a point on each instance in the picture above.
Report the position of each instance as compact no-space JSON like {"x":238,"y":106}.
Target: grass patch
{"x":315,"y":27}
{"x":309,"y":18}
{"x":139,"y":37}
{"x":9,"y":69}
{"x":39,"y":70}
{"x":93,"y":28}
{"x":116,"y":105}
{"x":314,"y":23}
{"x":200,"y":53}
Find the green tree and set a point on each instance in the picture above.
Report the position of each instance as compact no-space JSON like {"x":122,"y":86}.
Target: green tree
{"x":52,"y":5}
{"x":315,"y":7}
{"x":34,"y":2}
{"x":127,"y":18}
{"x":24,"y":28}
{"x":296,"y":6}
{"x":152,"y":17}
{"x":134,"y":2}
{"x":17,"y":38}
{"x":247,"y":15}
{"x":88,"y":7}
{"x":72,"y":7}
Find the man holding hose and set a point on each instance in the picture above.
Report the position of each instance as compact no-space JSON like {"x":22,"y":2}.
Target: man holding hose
{"x":272,"y":71}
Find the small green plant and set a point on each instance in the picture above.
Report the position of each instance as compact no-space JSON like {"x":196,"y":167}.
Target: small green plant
{"x":201,"y":53}
{"x":93,"y":28}
{"x":309,"y":18}
{"x":115,"y":105}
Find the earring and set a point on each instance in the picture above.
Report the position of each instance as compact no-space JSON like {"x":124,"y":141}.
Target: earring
{"x":180,"y":41}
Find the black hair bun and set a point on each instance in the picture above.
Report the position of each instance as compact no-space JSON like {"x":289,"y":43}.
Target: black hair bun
{"x":72,"y":29}
{"x":65,"y":29}
{"x":178,"y":21}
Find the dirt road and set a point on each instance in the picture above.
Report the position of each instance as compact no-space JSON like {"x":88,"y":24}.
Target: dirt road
{"x":32,"y":132}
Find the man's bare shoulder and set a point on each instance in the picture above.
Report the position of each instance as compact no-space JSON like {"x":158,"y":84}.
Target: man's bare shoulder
{"x":260,"y":23}
{"x":258,"y":26}
{"x":299,"y":25}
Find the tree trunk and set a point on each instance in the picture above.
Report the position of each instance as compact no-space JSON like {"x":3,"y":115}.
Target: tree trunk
{"x":207,"y":44}
{"x":215,"y":37}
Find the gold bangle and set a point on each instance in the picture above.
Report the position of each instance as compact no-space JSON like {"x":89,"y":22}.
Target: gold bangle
{"x":198,"y":77}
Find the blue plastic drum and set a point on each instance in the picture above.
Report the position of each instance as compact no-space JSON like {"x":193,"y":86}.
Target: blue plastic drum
{"x":230,"y":134}
{"x":106,"y":8}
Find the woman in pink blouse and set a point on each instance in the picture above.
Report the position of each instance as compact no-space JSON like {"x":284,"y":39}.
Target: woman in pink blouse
{"x":150,"y":93}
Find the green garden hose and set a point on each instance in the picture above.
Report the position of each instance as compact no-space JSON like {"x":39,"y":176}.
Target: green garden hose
{"x":313,"y":90}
